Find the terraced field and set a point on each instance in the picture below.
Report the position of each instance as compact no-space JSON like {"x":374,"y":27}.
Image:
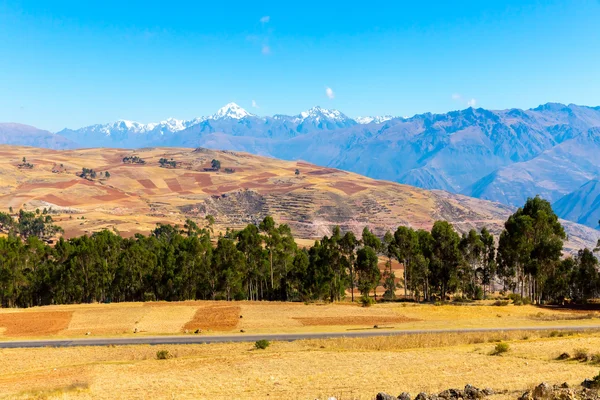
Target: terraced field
{"x":138,"y":196}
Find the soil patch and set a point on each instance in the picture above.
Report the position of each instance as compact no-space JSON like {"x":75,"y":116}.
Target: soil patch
{"x":217,"y":318}
{"x":50,"y":198}
{"x":35,"y":323}
{"x":147,"y":183}
{"x":173,"y":184}
{"x":348,"y":187}
{"x":324,"y":171}
{"x":353,"y":320}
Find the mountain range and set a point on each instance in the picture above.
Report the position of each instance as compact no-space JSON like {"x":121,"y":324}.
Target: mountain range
{"x":502,"y":155}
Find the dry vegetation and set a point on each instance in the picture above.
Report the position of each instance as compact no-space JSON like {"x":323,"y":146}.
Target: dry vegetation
{"x":137,"y":196}
{"x":345,"y":368}
{"x":160,"y":318}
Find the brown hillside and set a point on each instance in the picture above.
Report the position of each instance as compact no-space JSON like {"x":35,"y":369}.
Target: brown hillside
{"x":137,"y":196}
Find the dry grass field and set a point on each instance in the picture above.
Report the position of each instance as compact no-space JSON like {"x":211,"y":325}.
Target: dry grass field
{"x":314,"y":369}
{"x":163,"y":318}
{"x":138,"y":196}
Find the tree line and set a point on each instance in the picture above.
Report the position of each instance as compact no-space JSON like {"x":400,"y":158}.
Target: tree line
{"x":263,"y":262}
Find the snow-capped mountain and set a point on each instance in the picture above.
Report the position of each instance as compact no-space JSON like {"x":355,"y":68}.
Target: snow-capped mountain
{"x":232,"y":111}
{"x":499,"y":155}
{"x":377,"y":120}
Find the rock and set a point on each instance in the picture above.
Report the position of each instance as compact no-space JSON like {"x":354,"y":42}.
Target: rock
{"x":451,"y":394}
{"x":384,"y":396}
{"x":422,"y":396}
{"x":588,"y":383}
{"x":564,"y":356}
{"x":542,"y":391}
{"x":404,"y":396}
{"x":565,"y":385}
{"x":526,"y":396}
{"x":471,"y":392}
{"x":488,"y":391}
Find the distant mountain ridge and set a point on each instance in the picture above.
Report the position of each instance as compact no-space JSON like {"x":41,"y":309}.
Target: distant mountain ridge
{"x":503,"y":155}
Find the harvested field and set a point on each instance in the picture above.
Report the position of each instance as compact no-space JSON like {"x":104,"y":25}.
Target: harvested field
{"x":34,"y":323}
{"x":215,"y":317}
{"x":147,"y":183}
{"x":165,"y":318}
{"x":173,"y":184}
{"x":355,"y":320}
{"x":50,"y":198}
{"x":348,"y":187}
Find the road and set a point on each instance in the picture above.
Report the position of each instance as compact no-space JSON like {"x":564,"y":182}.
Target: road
{"x":242,"y":337}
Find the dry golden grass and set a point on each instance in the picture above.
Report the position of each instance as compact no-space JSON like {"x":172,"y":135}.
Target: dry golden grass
{"x":345,"y":368}
{"x":160,"y":318}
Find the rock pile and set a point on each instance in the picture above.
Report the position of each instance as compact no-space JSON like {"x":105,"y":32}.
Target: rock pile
{"x":543,"y":391}
{"x":561,"y":392}
{"x":468,"y":393}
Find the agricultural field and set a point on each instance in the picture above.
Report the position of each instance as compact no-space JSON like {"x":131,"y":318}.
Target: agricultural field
{"x":135,"y":196}
{"x":313,"y":369}
{"x":169,"y":318}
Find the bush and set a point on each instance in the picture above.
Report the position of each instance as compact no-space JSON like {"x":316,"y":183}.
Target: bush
{"x":518,"y":300}
{"x":163,"y":355}
{"x":581,"y":355}
{"x":366,"y":301}
{"x":500,"y":348}
{"x":261,"y":344}
{"x":595,"y":358}
{"x":500,"y":303}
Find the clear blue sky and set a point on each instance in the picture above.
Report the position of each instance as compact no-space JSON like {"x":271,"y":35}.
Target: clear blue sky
{"x":74,"y":63}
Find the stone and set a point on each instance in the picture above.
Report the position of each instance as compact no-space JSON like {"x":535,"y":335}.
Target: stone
{"x":526,"y":396}
{"x":564,"y":356}
{"x":384,"y":396}
{"x":542,"y":391}
{"x":422,"y":396}
{"x":471,"y":392}
{"x":451,"y":394}
{"x":404,"y":396}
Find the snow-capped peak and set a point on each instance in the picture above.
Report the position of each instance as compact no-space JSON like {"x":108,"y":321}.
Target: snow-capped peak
{"x":231,"y":110}
{"x":322,"y":113}
{"x":377,"y":120}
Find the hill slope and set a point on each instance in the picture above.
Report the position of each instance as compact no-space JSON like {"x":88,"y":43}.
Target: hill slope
{"x":137,"y":196}
{"x":501,"y":155}
{"x":582,"y":205}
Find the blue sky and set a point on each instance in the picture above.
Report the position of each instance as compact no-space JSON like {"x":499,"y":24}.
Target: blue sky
{"x":74,"y":63}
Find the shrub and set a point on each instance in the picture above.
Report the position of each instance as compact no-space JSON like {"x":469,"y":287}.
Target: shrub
{"x":500,"y":303}
{"x":595,"y":358}
{"x":163,"y":355}
{"x":261,"y":344}
{"x":581,"y":355}
{"x":500,"y":348}
{"x":366,"y":301}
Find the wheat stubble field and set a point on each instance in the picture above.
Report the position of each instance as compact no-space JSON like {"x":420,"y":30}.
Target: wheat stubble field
{"x":344,"y":368}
